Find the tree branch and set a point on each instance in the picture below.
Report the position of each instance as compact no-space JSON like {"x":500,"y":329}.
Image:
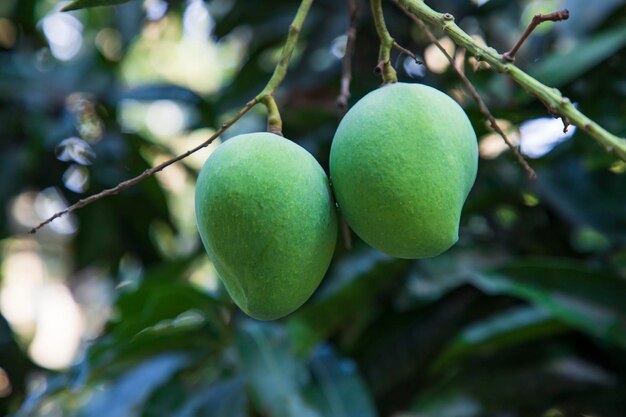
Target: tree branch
{"x":551,"y":97}
{"x":537,"y":20}
{"x":274,"y":121}
{"x":346,"y":72}
{"x":474,"y":93}
{"x":384,"y":66}
{"x":407,"y":52}
{"x":265,"y":97}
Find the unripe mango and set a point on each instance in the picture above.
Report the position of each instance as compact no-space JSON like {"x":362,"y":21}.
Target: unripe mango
{"x":267,"y":220}
{"x":402,"y":163}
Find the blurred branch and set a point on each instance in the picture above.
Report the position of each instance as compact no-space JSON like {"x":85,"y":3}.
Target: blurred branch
{"x":384,"y":66}
{"x":474,"y":93}
{"x":266,"y":97}
{"x":346,"y":72}
{"x":344,"y":95}
{"x":537,"y":20}
{"x":551,"y":97}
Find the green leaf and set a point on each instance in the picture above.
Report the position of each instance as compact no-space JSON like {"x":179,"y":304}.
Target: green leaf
{"x":84,"y":4}
{"x":511,"y":327}
{"x":339,"y":391}
{"x":358,"y":280}
{"x":561,"y":68}
{"x":160,"y":316}
{"x":275,"y":375}
{"x":126,"y":395}
{"x":224,"y":399}
{"x":587,"y":299}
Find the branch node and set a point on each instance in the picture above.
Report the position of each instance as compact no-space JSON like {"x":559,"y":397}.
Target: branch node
{"x":448,"y":16}
{"x":378,"y":69}
{"x":274,"y":121}
{"x":386,"y":43}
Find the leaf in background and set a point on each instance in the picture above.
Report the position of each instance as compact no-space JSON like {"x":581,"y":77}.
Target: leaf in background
{"x":162,"y":316}
{"x":589,"y":300}
{"x":83,"y":4}
{"x":511,"y":327}
{"x":594,"y":199}
{"x":153,"y":92}
{"x":276,"y":377}
{"x":126,"y":395}
{"x":563,"y":67}
{"x":339,"y":390}
{"x":550,"y":374}
{"x":355,"y":282}
{"x":224,"y":399}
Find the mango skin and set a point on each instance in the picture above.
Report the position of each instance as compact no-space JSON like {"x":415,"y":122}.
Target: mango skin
{"x":267,"y":219}
{"x":402,"y":163}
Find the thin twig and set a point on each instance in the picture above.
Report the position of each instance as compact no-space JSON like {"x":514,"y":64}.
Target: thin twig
{"x":346,"y":73}
{"x":407,"y":52}
{"x":474,"y":93}
{"x":265,"y":97}
{"x":537,"y":20}
{"x":148,"y":172}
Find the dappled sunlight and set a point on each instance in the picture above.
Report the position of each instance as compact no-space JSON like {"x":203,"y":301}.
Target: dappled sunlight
{"x":8,"y":33}
{"x":59,"y":328}
{"x":435,"y":60}
{"x":491,"y":145}
{"x":162,"y":53}
{"x":51,"y":201}
{"x":75,"y":149}
{"x":64,"y":33}
{"x":540,"y":136}
{"x":165,"y":118}
{"x":412,"y":68}
{"x":204,"y":276}
{"x":23,"y":275}
{"x":109,"y":43}
{"x":197,"y":21}
{"x":5,"y":384}
{"x":76,"y":178}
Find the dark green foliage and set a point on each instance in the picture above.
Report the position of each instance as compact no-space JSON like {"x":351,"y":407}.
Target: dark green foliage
{"x":525,"y":316}
{"x":83,"y":4}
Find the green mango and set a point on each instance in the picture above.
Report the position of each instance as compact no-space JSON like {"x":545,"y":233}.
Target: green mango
{"x":402,"y":163}
{"x":267,"y":219}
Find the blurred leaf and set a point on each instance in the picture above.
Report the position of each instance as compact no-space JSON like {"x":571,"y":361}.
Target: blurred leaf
{"x":126,"y":395}
{"x":83,"y":4}
{"x":585,"y":197}
{"x":339,"y":390}
{"x":158,"y":317}
{"x":159,"y":92}
{"x":275,"y":375}
{"x":355,"y":283}
{"x":564,"y":67}
{"x":587,"y":299}
{"x":225,"y":399}
{"x":511,"y":327}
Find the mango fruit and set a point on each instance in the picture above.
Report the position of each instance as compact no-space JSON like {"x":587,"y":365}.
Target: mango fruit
{"x":267,"y":219}
{"x":402,"y":163}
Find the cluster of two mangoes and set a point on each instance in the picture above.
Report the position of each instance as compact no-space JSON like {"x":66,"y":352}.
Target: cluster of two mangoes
{"x":402,"y":163}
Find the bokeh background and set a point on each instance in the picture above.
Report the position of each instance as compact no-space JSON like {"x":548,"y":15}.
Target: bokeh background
{"x":116,"y":311}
